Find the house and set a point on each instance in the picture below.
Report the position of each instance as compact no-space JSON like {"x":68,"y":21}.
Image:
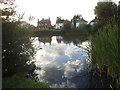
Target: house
{"x":59,"y":24}
{"x":44,"y":23}
{"x":80,"y":21}
{"x":93,"y":22}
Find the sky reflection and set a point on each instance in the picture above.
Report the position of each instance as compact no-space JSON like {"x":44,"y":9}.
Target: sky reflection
{"x":59,"y":62}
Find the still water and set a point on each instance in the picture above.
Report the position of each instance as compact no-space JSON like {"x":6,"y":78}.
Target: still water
{"x":62,"y":62}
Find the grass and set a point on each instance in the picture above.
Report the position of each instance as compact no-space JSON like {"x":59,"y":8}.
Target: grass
{"x":20,"y":82}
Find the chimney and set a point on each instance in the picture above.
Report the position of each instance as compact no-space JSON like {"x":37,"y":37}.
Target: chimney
{"x":42,"y":18}
{"x":49,"y":18}
{"x":38,"y":20}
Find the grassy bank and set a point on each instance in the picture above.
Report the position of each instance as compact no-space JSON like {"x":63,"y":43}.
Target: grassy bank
{"x":46,"y":32}
{"x":21,"y":82}
{"x":53,"y":32}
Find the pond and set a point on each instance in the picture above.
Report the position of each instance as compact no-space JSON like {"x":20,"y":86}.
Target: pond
{"x":62,"y":62}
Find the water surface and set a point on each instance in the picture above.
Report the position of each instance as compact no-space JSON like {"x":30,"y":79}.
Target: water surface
{"x":62,"y":62}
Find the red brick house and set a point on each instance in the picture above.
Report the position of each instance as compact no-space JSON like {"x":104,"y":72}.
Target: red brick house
{"x":44,"y":23}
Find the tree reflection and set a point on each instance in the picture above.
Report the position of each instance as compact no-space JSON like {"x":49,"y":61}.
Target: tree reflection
{"x":77,"y":40}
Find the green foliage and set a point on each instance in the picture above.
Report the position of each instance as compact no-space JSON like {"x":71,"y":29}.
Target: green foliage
{"x":16,"y":48}
{"x":105,"y":11}
{"x":83,"y":29}
{"x":104,"y":51}
{"x":59,"y":19}
{"x":20,"y":82}
{"x":67,"y":25}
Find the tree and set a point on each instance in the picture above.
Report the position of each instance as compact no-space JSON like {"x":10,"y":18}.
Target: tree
{"x":31,"y":18}
{"x":8,"y":9}
{"x":67,"y":25}
{"x":104,"y":11}
{"x":59,"y":19}
{"x":75,"y":18}
{"x":17,"y":49}
{"x":118,"y":10}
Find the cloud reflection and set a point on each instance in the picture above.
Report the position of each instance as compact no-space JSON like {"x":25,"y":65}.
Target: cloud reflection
{"x":59,"y":62}
{"x":67,"y":84}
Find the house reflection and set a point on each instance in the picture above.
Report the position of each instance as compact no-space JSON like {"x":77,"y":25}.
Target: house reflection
{"x":45,"y":40}
{"x":59,"y":39}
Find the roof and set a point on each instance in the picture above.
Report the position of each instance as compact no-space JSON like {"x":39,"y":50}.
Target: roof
{"x":81,"y":20}
{"x":44,"y":20}
{"x":94,"y":20}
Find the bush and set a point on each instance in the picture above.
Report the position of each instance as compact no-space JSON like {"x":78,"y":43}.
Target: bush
{"x":16,"y":48}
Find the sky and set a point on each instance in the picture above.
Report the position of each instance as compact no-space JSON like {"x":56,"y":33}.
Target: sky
{"x":65,"y":9}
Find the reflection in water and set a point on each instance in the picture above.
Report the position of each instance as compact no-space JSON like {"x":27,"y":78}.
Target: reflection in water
{"x":45,"y":39}
{"x":62,"y":63}
{"x":59,"y":39}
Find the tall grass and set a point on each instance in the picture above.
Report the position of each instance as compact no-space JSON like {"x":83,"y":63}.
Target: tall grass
{"x":104,"y":51}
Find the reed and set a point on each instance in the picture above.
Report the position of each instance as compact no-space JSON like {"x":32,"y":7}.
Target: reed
{"x":104,"y":51}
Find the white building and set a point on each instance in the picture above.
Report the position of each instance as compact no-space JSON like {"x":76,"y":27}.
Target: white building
{"x":59,"y":25}
{"x":80,"y":21}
